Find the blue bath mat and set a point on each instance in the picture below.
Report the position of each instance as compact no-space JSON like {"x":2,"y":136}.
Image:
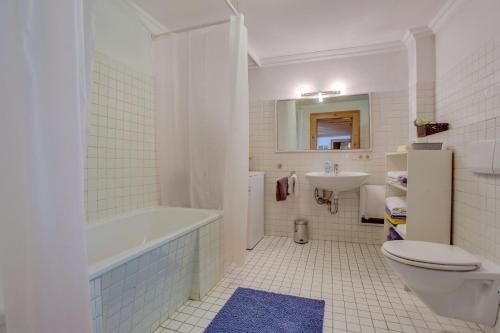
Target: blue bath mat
{"x":255,"y":311}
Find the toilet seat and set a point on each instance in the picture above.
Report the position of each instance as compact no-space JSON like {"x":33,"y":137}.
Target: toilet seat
{"x":431,"y":255}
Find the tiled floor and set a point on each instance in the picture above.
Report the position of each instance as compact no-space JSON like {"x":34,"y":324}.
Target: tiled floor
{"x":362,"y":294}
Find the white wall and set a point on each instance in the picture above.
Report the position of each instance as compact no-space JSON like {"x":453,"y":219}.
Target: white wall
{"x":468,"y":97}
{"x":390,"y":119}
{"x":120,"y":173}
{"x":473,"y":23}
{"x":120,"y":35}
{"x":384,"y":74}
{"x":371,"y":73}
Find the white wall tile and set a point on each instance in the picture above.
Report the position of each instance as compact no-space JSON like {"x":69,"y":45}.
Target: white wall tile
{"x":468,"y":98}
{"x":143,"y":292}
{"x":390,"y":129}
{"x":133,"y":299}
{"x":121,"y":170}
{"x":209,"y":266}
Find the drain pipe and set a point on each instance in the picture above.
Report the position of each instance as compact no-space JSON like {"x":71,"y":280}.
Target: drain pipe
{"x":325,"y":199}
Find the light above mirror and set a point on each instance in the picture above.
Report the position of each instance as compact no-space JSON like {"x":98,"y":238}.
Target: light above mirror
{"x":320,"y":94}
{"x":323,"y":123}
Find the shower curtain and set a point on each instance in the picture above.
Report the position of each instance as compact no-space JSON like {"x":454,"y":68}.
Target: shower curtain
{"x":202,"y":124}
{"x":44,"y":60}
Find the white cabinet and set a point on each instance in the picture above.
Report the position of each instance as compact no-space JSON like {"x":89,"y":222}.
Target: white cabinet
{"x":255,"y":223}
{"x":428,"y":193}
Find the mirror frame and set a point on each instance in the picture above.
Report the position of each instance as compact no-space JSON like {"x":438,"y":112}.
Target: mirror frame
{"x":336,"y":151}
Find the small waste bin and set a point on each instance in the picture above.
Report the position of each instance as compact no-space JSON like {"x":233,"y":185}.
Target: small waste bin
{"x":301,"y":234}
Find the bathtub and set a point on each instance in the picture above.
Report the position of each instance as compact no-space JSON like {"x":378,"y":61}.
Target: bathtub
{"x":144,"y":265}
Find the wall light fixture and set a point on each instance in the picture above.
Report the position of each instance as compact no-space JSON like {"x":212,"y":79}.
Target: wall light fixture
{"x":320,"y":94}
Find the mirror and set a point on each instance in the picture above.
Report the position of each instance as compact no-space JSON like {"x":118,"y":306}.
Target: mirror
{"x":335,"y":124}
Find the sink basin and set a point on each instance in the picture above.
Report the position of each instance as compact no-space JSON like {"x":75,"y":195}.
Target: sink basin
{"x":342,"y":181}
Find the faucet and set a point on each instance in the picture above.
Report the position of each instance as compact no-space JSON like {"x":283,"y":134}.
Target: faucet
{"x":331,"y":167}
{"x":336,"y":169}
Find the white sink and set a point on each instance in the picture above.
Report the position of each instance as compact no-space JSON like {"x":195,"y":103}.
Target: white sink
{"x":342,"y":181}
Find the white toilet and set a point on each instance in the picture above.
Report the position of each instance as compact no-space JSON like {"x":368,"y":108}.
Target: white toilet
{"x":449,"y":280}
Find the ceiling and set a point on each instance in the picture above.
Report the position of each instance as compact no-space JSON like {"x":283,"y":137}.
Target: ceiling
{"x":288,"y":27}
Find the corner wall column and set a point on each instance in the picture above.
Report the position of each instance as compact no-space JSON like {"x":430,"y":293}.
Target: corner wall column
{"x":420,"y":44}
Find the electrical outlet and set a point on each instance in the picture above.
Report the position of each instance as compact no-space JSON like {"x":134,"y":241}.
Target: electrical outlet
{"x":361,"y":157}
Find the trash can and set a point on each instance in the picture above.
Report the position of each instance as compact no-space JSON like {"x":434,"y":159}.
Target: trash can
{"x":301,"y":234}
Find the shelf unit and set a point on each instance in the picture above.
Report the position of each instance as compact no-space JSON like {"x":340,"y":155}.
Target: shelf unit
{"x":428,"y":193}
{"x":397,"y":186}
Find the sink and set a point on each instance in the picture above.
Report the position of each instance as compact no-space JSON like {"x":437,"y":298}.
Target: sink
{"x":342,"y":181}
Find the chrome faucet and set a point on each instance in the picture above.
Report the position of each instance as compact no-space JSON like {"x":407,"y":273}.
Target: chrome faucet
{"x":331,"y":167}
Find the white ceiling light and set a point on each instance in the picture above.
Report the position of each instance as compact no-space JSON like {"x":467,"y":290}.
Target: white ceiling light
{"x":320,"y":94}
{"x":320,"y":97}
{"x":340,"y":87}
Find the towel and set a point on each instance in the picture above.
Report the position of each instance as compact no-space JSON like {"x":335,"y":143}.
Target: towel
{"x":394,"y":221}
{"x":281,"y":189}
{"x":394,"y":216}
{"x":396,"y":205}
{"x":293,"y":184}
{"x":401,"y":230}
{"x":397,"y":174}
{"x":371,"y":201}
{"x":393,"y":235}
{"x":399,"y":177}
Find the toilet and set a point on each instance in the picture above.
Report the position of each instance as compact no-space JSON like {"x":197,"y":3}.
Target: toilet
{"x":449,"y":280}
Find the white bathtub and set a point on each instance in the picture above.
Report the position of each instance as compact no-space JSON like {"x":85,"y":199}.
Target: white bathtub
{"x":113,"y":241}
{"x":144,"y":265}
{"x":131,"y":255}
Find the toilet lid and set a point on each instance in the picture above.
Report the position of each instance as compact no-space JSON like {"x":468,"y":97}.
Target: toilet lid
{"x":431,"y":253}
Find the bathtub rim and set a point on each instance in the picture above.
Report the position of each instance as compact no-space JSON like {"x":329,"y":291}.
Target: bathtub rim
{"x":108,"y":264}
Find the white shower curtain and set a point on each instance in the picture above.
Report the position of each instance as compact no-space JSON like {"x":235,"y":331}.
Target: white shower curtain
{"x":237,"y":149}
{"x":202,"y":124}
{"x":44,"y":60}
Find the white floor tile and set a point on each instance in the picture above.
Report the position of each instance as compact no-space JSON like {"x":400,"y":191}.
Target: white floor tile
{"x":361,"y":293}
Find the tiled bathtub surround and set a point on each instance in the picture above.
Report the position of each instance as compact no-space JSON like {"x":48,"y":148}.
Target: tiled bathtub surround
{"x":135,"y":296}
{"x":140,"y":294}
{"x":468,"y":97}
{"x":390,"y":128}
{"x":209,"y":265}
{"x":121,"y":172}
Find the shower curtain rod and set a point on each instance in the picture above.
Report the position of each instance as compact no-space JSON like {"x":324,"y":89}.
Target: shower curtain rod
{"x":231,"y":6}
{"x":200,"y":26}
{"x":195,"y":27}
{"x":233,"y":9}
